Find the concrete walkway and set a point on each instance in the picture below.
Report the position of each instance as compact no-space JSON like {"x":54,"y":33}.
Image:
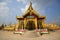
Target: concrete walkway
{"x":29,"y":35}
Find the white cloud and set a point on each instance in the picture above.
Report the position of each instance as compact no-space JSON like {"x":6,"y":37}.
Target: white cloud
{"x":8,"y":1}
{"x":24,"y":1}
{"x":24,"y":9}
{"x":39,"y":8}
{"x":4,"y":10}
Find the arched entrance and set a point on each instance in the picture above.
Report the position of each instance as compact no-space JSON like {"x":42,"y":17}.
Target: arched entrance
{"x":30,"y":25}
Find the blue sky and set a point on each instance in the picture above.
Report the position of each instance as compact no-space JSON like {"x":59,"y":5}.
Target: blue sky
{"x":10,"y":8}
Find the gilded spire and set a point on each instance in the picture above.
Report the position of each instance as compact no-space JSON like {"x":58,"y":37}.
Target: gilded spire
{"x":30,"y":7}
{"x":30,"y":3}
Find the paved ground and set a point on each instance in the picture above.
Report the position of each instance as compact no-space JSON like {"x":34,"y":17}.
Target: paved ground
{"x":29,"y":35}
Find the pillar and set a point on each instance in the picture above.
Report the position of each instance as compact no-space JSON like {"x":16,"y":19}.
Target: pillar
{"x":25,"y":23}
{"x":42,"y":23}
{"x":18,"y":25}
{"x":36,"y":23}
{"x":22,"y":27}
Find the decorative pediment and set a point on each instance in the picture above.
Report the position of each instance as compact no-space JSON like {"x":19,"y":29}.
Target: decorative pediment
{"x":30,"y":11}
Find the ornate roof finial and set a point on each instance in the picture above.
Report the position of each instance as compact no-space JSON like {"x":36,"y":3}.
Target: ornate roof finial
{"x":30,"y":3}
{"x":30,"y":7}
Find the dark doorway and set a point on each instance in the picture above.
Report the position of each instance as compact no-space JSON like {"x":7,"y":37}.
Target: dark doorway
{"x":30,"y":25}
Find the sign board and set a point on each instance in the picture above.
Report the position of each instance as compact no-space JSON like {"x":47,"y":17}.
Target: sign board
{"x":30,"y":16}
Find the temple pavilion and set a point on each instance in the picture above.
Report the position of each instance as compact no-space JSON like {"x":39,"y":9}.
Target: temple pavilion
{"x":30,"y":19}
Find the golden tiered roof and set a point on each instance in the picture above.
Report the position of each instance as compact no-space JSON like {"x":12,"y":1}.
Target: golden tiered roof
{"x":31,"y":11}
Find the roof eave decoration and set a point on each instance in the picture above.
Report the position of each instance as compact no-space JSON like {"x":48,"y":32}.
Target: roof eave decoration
{"x":43,"y":17}
{"x":19,"y":17}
